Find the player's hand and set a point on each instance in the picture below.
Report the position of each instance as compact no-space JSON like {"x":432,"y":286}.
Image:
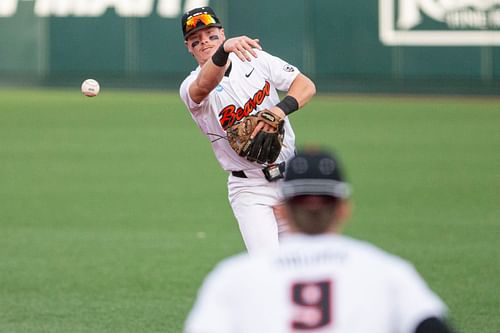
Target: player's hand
{"x":243,"y":47}
{"x":262,"y":126}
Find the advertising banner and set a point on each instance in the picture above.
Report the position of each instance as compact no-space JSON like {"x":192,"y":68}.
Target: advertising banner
{"x":96,"y":8}
{"x":439,"y":22}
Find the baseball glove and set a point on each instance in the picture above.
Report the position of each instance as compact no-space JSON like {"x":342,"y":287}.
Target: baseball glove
{"x":265,"y":147}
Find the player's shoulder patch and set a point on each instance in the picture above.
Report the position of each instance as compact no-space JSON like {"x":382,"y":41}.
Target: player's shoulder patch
{"x":288,"y":68}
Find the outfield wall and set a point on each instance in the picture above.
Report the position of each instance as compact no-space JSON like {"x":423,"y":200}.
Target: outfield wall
{"x":356,"y":45}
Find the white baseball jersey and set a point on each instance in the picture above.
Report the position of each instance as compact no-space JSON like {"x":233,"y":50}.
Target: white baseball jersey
{"x":250,"y":87}
{"x":327,"y":283}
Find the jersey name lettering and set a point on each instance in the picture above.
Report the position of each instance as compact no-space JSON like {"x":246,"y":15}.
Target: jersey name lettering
{"x":230,"y":114}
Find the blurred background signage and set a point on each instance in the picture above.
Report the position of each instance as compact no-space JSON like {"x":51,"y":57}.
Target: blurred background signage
{"x":439,"y":22}
{"x":96,"y":8}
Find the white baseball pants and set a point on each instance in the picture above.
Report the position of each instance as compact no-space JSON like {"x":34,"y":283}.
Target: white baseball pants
{"x":252,"y":200}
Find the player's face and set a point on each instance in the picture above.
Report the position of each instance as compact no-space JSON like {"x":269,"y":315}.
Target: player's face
{"x":203,"y":43}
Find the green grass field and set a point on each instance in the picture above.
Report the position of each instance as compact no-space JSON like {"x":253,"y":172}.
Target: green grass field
{"x":112,"y":209}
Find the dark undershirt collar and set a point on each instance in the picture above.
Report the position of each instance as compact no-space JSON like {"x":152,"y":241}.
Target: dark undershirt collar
{"x":228,"y":70}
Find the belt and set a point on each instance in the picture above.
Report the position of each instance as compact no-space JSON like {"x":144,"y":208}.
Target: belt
{"x":241,"y":173}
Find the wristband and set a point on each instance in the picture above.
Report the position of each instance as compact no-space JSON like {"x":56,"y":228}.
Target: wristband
{"x":288,"y":104}
{"x":220,"y":56}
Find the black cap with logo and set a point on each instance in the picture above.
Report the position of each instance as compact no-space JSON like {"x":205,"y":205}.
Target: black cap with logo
{"x":197,"y":19}
{"x":314,"y":172}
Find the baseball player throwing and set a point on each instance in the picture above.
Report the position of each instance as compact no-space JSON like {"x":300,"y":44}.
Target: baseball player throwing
{"x":232,"y":96}
{"x":318,"y":280}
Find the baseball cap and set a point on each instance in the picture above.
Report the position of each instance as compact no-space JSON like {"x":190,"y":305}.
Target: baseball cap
{"x":197,"y":19}
{"x":314,"y":172}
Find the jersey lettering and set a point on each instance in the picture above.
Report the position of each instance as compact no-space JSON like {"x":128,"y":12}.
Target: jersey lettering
{"x":230,"y":114}
{"x":313,"y":305}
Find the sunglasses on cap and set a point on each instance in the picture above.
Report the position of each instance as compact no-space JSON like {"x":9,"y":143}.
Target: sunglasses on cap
{"x":200,"y":20}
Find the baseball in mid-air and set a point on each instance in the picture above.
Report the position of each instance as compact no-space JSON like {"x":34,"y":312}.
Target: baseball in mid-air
{"x":90,"y":88}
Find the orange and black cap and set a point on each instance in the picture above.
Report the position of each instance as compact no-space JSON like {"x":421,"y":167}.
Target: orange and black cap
{"x":197,"y":19}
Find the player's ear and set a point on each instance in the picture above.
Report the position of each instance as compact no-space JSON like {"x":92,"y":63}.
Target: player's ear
{"x":188,"y":48}
{"x":343,"y":212}
{"x":222,"y":34}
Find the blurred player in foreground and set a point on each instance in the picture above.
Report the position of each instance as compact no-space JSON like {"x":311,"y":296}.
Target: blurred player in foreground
{"x":319,"y":280}
{"x":235,"y":81}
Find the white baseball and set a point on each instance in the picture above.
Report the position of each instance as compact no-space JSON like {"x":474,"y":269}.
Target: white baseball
{"x":90,"y":88}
